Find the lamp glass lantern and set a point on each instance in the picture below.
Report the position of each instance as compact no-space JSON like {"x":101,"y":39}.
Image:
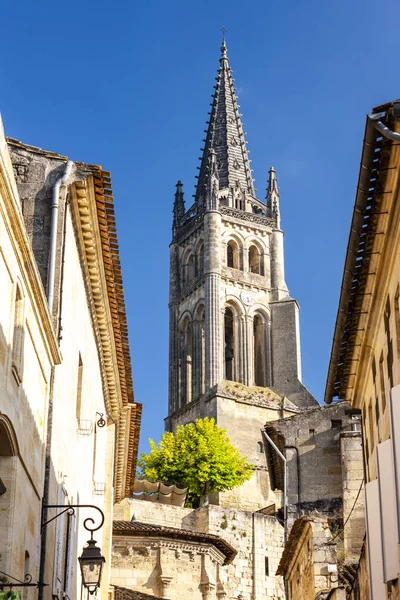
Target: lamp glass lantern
{"x":91,"y":563}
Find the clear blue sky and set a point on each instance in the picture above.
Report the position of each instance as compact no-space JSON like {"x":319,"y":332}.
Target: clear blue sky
{"x":127,"y":85}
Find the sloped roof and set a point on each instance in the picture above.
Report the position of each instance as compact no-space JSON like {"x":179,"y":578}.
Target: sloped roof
{"x":136,"y":528}
{"x":122,"y":593}
{"x":291,"y":545}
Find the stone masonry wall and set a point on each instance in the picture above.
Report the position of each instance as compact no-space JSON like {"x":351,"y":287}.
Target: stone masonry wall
{"x":254,"y":535}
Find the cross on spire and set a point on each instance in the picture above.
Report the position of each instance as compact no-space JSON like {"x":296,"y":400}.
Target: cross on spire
{"x":224,"y":31}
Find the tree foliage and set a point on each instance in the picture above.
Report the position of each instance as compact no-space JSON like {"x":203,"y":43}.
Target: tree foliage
{"x":199,"y":457}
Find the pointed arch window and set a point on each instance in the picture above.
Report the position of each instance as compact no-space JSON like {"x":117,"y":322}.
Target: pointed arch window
{"x":198,"y":359}
{"x":17,"y":363}
{"x":229,"y":345}
{"x":260,"y":351}
{"x":185,"y":363}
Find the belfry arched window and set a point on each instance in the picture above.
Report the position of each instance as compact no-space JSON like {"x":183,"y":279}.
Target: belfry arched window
{"x":260,"y":351}
{"x":255,"y":262}
{"x":198,"y":361}
{"x":190,"y":272}
{"x":185,"y":363}
{"x":232,"y":255}
{"x":229,"y":344}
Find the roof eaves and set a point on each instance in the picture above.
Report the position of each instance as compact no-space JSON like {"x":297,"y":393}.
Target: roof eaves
{"x":362,"y":231}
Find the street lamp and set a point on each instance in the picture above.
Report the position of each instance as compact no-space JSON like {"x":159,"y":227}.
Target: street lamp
{"x":91,"y":563}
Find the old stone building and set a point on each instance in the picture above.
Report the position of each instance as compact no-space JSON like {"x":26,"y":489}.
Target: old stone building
{"x":69,"y":425}
{"x":365,"y":360}
{"x":325,"y":498}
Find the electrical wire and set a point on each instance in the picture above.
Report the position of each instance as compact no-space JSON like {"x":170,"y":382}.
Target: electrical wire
{"x":350,"y":513}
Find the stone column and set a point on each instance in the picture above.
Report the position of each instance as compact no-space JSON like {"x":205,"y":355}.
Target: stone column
{"x":196,"y":360}
{"x":278,"y":285}
{"x":242,"y":349}
{"x":173,"y":387}
{"x":249,"y":351}
{"x":212,"y":242}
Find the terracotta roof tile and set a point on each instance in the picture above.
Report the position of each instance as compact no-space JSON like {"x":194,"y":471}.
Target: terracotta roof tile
{"x":122,"y":593}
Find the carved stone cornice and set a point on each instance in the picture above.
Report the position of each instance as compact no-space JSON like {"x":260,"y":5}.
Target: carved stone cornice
{"x":98,"y":250}
{"x":139,"y":545}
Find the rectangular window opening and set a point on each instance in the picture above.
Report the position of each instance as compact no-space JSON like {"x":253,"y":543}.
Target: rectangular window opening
{"x":267,"y":566}
{"x":382,"y":383}
{"x":79,"y":389}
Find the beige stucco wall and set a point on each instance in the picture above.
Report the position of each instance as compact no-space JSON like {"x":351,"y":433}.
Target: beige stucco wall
{"x":79,"y":447}
{"x":32,"y":397}
{"x":23,"y":400}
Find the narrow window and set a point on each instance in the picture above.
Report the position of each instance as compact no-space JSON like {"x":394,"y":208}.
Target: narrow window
{"x":397,"y":320}
{"x":336,"y":424}
{"x":389,"y":341}
{"x":254,"y":260}
{"x":186,"y":363}
{"x":311,"y":433}
{"x":18,"y":336}
{"x":190,"y":273}
{"x":267,"y":566}
{"x":79,"y":388}
{"x":382,"y":383}
{"x":229,"y":344}
{"x":371,"y":426}
{"x":259,"y":351}
{"x":260,"y":447}
{"x":232,"y":255}
{"x":377,"y":416}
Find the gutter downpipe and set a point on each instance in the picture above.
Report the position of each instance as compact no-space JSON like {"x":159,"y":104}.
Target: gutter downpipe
{"x":295,"y":448}
{"x":373,"y":120}
{"x":279,"y":453}
{"x":383,"y":130}
{"x":53,"y":232}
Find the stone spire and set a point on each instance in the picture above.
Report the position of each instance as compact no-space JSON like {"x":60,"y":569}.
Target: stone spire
{"x":179,"y":207}
{"x":226,"y":137}
{"x":273,"y":196}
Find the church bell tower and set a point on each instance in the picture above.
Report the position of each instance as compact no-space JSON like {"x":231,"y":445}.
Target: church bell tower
{"x":234,"y":329}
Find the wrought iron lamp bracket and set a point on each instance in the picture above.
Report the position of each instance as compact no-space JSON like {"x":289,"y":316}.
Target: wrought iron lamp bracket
{"x":70,"y":509}
{"x":19,"y":584}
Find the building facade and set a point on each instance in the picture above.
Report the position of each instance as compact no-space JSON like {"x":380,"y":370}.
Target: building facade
{"x":365,"y":360}
{"x":325,"y":499}
{"x":69,"y":423}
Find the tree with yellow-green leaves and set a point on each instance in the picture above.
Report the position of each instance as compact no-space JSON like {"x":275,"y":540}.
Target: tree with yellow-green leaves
{"x":198,"y":456}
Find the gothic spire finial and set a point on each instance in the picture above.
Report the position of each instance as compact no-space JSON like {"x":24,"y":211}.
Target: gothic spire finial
{"x":273,"y":195}
{"x":225,"y":136}
{"x":179,"y":206}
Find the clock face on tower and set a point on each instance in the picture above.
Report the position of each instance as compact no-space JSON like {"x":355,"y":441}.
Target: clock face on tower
{"x":247,"y":298}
